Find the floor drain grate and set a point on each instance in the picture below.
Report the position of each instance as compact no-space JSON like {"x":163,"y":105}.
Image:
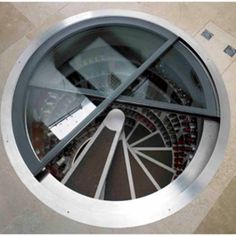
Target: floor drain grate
{"x":230,"y":51}
{"x":207,"y":34}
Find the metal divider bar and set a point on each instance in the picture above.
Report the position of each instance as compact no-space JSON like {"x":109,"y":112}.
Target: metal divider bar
{"x":61,"y":145}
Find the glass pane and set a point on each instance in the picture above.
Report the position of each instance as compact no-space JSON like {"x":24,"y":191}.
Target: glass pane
{"x":51,"y":115}
{"x":175,"y":78}
{"x":66,"y":84}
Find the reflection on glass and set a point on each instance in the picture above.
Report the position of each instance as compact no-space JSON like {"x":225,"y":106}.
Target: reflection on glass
{"x":51,"y":115}
{"x":102,"y":67}
{"x":174,"y":78}
{"x":97,"y":60}
{"x":180,"y":68}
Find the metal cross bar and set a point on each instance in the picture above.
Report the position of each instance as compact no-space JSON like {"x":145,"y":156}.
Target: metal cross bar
{"x":62,"y":144}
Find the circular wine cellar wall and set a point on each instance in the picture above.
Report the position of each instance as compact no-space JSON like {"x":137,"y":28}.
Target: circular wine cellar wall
{"x":115,"y":118}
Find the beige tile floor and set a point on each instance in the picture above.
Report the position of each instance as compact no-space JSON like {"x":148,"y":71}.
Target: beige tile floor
{"x":217,"y":44}
{"x":223,"y":208}
{"x":213,"y":211}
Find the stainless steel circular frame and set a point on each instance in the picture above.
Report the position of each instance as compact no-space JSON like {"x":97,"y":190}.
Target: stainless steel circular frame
{"x":140,"y":211}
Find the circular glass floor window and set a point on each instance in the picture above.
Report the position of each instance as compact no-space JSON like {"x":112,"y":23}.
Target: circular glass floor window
{"x":115,"y":113}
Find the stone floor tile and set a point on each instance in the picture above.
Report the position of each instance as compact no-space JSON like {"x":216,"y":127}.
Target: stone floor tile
{"x":13,"y":25}
{"x":9,"y":57}
{"x":49,"y":22}
{"x":188,"y":16}
{"x":216,"y":45}
{"x":154,"y":228}
{"x":13,"y":202}
{"x":221,"y":217}
{"x":25,"y":223}
{"x":79,"y":7}
{"x":168,"y":11}
{"x":37,"y":220}
{"x":226,"y":19}
{"x":38,"y":12}
{"x":181,"y":14}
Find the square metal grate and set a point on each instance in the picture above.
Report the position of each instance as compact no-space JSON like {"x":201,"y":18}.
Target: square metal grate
{"x":207,"y":34}
{"x":230,"y":51}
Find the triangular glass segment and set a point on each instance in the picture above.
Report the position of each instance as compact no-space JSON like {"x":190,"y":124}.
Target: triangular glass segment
{"x":177,"y":78}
